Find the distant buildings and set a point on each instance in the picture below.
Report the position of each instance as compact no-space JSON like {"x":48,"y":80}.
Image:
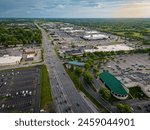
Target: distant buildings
{"x":95,"y":37}
{"x":91,"y":32}
{"x":7,"y":60}
{"x":66,"y":28}
{"x":74,"y":52}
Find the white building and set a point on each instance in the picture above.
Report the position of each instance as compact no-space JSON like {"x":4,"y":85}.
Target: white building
{"x":66,"y":28}
{"x":91,"y":32}
{"x":75,"y":31}
{"x":10,"y":60}
{"x":95,"y":37}
{"x":118,"y":47}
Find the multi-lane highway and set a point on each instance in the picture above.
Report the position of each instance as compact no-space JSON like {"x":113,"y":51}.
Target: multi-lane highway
{"x":66,"y":97}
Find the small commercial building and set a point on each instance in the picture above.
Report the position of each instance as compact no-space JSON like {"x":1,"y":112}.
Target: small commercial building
{"x":30,"y":57}
{"x":74,"y":64}
{"x":117,"y":89}
{"x":30,"y":54}
{"x":29,"y":51}
{"x":7,"y":60}
{"x":74,"y":52}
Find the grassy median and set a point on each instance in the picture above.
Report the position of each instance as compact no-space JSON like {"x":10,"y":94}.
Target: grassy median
{"x":45,"y":91}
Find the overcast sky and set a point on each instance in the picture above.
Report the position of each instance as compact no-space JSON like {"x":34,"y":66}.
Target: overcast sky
{"x":75,"y":8}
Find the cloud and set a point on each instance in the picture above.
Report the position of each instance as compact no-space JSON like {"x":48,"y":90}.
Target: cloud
{"x":134,"y":10}
{"x":74,"y":8}
{"x":99,"y":5}
{"x":60,"y":6}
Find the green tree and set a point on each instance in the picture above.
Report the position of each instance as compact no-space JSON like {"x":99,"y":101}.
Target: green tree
{"x":124,"y":108}
{"x":95,"y":70}
{"x":87,"y":66}
{"x":105,"y":94}
{"x":87,"y":77}
{"x":78,"y":71}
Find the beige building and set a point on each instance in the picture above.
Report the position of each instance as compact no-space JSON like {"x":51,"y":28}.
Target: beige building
{"x":7,"y":60}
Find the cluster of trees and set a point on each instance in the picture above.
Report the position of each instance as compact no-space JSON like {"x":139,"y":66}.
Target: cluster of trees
{"x":86,"y":75}
{"x":12,"y":34}
{"x":105,"y":94}
{"x":146,"y":42}
{"x":124,"y":108}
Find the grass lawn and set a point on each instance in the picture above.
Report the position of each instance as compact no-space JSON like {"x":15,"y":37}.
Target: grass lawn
{"x":120,"y":33}
{"x":45,"y":91}
{"x":136,"y":34}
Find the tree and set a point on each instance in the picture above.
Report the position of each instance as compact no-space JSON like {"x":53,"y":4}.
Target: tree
{"x":78,"y":71}
{"x":72,"y":67}
{"x":124,"y":108}
{"x":87,"y":66}
{"x":105,"y":93}
{"x":87,"y":77}
{"x":95,"y":70}
{"x":90,"y":62}
{"x":84,"y":54}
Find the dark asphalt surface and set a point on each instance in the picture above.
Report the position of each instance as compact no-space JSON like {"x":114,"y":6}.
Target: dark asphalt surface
{"x":67,"y":98}
{"x":18,"y":81}
{"x":97,"y":96}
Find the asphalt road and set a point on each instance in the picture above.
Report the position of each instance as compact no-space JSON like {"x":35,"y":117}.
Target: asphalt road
{"x":97,"y":96}
{"x":66,"y":97}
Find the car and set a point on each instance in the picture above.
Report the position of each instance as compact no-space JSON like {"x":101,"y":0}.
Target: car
{"x":132,"y":109}
{"x":78,"y":104}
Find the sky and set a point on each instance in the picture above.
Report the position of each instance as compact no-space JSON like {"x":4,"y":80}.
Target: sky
{"x":75,"y":8}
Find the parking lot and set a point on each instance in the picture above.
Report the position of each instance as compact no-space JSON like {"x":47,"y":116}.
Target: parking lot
{"x":77,"y":39}
{"x":20,"y":90}
{"x":133,"y":71}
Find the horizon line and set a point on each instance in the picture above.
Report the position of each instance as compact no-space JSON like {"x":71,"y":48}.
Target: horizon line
{"x":72,"y":18}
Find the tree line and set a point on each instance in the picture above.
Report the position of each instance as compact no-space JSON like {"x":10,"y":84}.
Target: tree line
{"x":12,"y":34}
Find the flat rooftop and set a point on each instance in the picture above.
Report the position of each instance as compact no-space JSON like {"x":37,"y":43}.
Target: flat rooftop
{"x":91,"y":32}
{"x":76,"y":63}
{"x":6,"y":59}
{"x":95,"y":36}
{"x":118,"y":47}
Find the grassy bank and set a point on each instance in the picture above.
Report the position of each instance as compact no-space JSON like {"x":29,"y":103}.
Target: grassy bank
{"x":45,"y":90}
